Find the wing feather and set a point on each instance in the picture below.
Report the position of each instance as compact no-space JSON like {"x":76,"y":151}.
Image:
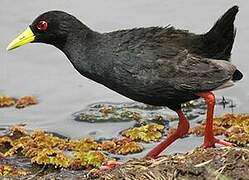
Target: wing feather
{"x":192,"y":73}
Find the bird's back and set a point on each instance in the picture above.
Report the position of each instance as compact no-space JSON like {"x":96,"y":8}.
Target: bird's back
{"x":142,"y":64}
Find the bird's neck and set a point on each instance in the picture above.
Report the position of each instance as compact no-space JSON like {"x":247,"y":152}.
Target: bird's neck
{"x":82,"y":51}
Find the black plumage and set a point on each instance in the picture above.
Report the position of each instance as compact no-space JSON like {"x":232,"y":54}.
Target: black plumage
{"x":156,"y":65}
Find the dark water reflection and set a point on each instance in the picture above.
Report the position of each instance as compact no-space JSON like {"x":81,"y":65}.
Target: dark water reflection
{"x":43,"y":71}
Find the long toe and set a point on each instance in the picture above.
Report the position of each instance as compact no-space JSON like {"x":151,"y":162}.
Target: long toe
{"x":211,"y":143}
{"x":224,"y":143}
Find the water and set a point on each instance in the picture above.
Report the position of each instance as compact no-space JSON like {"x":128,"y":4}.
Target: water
{"x":43,"y":71}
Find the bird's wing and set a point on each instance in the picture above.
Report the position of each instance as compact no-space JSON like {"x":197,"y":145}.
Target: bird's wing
{"x":187,"y":72}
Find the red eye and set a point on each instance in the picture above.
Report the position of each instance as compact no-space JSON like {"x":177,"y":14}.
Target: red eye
{"x":42,"y":25}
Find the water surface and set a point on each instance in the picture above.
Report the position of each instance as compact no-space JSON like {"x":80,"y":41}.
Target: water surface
{"x":43,"y":71}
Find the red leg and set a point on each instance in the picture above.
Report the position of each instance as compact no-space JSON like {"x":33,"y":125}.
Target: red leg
{"x":181,"y":130}
{"x":209,"y":139}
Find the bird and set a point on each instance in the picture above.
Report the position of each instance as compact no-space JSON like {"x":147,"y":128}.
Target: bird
{"x":160,"y":66}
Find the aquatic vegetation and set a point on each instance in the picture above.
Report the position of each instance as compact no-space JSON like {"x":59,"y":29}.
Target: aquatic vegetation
{"x":234,"y":127}
{"x":7,"y":101}
{"x":90,"y":158}
{"x":128,"y":148}
{"x":122,"y":146}
{"x":8,"y":170}
{"x":131,"y":115}
{"x":31,"y":145}
{"x":141,"y":113}
{"x":18,"y":131}
{"x":199,"y":130}
{"x":241,"y":139}
{"x":105,"y":110}
{"x":110,"y":112}
{"x":237,"y":128}
{"x":146,"y":133}
{"x":229,"y":120}
{"x":26,"y":101}
{"x":109,"y":146}
{"x":238,"y":134}
{"x":200,"y":104}
{"x":5,"y":144}
{"x":47,"y":149}
{"x":49,"y":156}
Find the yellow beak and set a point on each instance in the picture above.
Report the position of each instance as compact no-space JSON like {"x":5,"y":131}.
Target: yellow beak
{"x":26,"y":37}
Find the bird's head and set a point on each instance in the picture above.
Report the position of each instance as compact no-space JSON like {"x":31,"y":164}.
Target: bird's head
{"x":52,"y":27}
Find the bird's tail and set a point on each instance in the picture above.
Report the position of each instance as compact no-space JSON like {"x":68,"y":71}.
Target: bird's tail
{"x":219,"y":40}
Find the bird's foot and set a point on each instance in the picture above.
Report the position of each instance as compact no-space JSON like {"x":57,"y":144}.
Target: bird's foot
{"x":110,"y":165}
{"x":212,"y":141}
